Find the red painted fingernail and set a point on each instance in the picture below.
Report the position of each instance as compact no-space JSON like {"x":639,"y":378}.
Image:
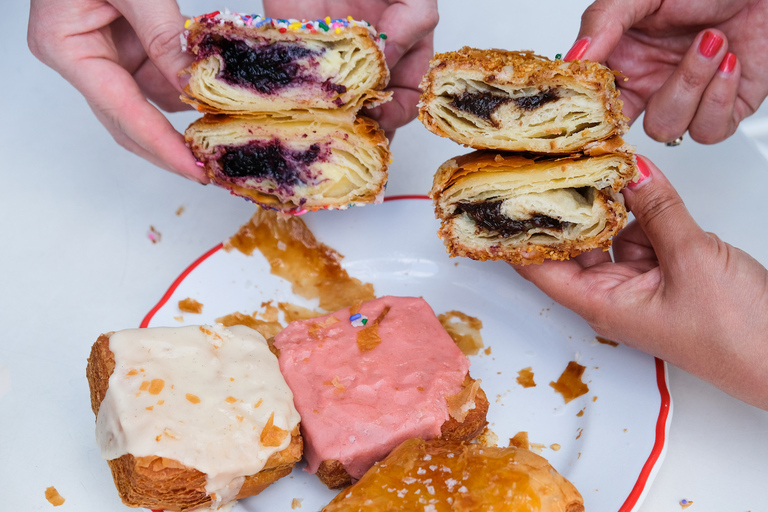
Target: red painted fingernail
{"x":578,"y":49}
{"x":728,"y":63}
{"x":643,"y":170}
{"x":710,"y":44}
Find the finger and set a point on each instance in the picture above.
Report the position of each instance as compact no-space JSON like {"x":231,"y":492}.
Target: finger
{"x":603,"y":24}
{"x":158,"y":25}
{"x":404,"y":84}
{"x":562,"y":281}
{"x":662,"y":215}
{"x":593,"y":257}
{"x":631,"y":244}
{"x":132,"y":120}
{"x":714,"y":120}
{"x":406,"y":24}
{"x":157,"y":89}
{"x":672,"y":108}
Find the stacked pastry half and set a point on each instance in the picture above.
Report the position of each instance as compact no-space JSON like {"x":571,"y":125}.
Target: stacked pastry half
{"x":281,"y":99}
{"x":545,"y":180}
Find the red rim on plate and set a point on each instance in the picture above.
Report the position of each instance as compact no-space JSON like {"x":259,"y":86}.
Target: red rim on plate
{"x":661,"y":381}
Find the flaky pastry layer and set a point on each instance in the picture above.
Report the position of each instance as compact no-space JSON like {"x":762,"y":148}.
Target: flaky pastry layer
{"x":519,"y":101}
{"x":293,"y":163}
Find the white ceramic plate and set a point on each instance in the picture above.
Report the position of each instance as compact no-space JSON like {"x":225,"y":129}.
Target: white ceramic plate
{"x":611,"y":452}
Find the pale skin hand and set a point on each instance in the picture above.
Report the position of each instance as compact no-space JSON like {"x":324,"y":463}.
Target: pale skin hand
{"x":673,"y":291}
{"x":656,"y":44}
{"x":120,"y":54}
{"x":409,"y":26}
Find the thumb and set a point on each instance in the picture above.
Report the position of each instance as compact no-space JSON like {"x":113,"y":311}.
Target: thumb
{"x":405,"y":24}
{"x":603,"y":24}
{"x":158,"y":25}
{"x":661,"y":213}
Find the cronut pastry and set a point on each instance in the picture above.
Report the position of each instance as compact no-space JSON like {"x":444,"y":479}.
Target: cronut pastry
{"x":248,"y":63}
{"x":527,"y":208}
{"x":462,"y":477}
{"x":161,"y":482}
{"x":519,"y":101}
{"x":368,"y":377}
{"x":292,"y":165}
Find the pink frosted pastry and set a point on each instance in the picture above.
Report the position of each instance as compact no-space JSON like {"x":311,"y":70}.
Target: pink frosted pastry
{"x":365,"y":379}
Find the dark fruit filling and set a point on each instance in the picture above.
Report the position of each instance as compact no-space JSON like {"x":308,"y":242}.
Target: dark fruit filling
{"x":270,"y":160}
{"x":265,"y":68}
{"x":480,"y":104}
{"x":534,"y":102}
{"x":487,"y":215}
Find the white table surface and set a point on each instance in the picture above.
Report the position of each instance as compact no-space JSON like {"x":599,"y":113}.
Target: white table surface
{"x":76,"y":261}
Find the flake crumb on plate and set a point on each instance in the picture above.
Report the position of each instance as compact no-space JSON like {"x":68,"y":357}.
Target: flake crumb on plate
{"x":53,"y":496}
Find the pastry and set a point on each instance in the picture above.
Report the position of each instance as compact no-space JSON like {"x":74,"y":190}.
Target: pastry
{"x":519,"y":101}
{"x":449,"y":475}
{"x":248,"y":63}
{"x":291,"y":164}
{"x":191,"y":416}
{"x":368,"y":377}
{"x":527,"y":208}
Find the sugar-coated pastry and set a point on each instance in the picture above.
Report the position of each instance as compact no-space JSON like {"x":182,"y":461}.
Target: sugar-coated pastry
{"x":293,"y":164}
{"x":366,"y":378}
{"x":519,"y":101}
{"x":525,"y":209}
{"x":191,"y":416}
{"x":249,"y":63}
{"x":455,"y":476}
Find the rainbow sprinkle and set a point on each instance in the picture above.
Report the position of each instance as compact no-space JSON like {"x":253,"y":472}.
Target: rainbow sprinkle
{"x":358,"y":320}
{"x":302,"y":26}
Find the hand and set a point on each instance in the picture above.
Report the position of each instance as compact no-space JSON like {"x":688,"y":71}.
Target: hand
{"x":692,"y":65}
{"x":409,"y":26}
{"x":120,"y":54}
{"x":674,"y":291}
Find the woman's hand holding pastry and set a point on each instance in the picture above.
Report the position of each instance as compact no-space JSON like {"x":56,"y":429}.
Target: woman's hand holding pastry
{"x":121,"y":54}
{"x":409,"y":26}
{"x":673,"y":291}
{"x":692,"y":66}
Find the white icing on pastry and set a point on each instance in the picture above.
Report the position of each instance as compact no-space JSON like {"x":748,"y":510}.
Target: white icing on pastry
{"x":200,"y":395}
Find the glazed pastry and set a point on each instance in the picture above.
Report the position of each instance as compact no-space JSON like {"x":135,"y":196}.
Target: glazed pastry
{"x":290,"y":164}
{"x":519,"y":101}
{"x":248,"y":63}
{"x":525,"y":209}
{"x":368,"y":377}
{"x":191,"y":416}
{"x":449,"y":475}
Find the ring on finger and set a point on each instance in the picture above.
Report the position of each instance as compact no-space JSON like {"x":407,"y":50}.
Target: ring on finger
{"x":674,"y":143}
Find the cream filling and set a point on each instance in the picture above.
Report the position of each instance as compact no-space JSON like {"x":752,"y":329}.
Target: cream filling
{"x":200,"y":395}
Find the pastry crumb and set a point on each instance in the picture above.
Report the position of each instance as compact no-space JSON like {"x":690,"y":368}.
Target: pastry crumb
{"x":684,"y":503}
{"x":53,"y":496}
{"x":190,"y":305}
{"x":180,"y":210}
{"x":295,"y":503}
{"x":154,"y":235}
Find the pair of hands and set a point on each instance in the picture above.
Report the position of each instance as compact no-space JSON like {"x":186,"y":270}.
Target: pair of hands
{"x":124,"y":56}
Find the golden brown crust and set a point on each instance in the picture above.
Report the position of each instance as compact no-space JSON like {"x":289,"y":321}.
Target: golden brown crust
{"x":360,"y":37}
{"x":471,"y":477}
{"x":503,"y":71}
{"x":333,"y":474}
{"x":473,"y":167}
{"x":160,"y":483}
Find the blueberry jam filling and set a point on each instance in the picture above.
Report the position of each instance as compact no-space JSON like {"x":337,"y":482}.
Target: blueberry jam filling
{"x":270,"y":161}
{"x":487,"y":215}
{"x":480,"y":104}
{"x":265,"y":68}
{"x":537,"y":100}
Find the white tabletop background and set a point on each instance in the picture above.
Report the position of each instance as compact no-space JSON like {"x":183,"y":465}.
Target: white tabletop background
{"x":76,"y":261}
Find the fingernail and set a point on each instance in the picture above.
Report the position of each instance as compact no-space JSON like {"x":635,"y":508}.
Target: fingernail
{"x":728,"y":63}
{"x":710,"y":44}
{"x":578,"y":50}
{"x":643,"y":170}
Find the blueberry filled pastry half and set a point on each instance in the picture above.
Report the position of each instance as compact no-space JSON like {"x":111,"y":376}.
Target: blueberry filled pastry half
{"x":248,"y":63}
{"x":526,"y":209}
{"x":293,"y":164}
{"x":519,"y":101}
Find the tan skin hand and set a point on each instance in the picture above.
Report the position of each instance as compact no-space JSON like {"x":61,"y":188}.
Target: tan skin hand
{"x":656,"y":45}
{"x":409,"y":26}
{"x":674,"y":291}
{"x":121,"y":55}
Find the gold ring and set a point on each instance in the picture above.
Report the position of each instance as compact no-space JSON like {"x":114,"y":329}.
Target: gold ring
{"x":675,"y":142}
